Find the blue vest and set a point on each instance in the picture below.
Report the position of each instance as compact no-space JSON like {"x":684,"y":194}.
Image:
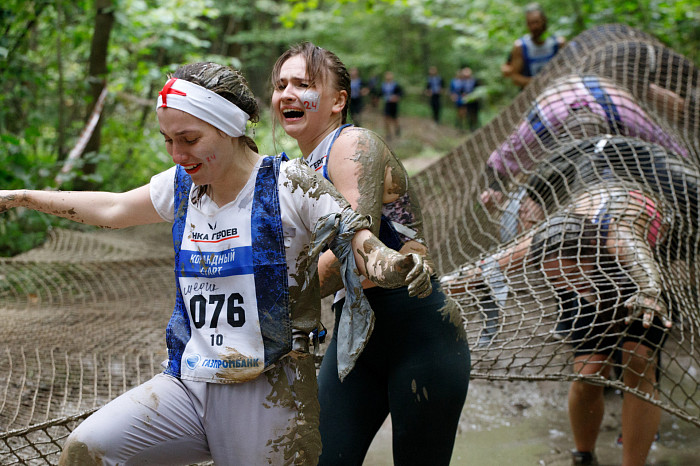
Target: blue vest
{"x":269,"y":267}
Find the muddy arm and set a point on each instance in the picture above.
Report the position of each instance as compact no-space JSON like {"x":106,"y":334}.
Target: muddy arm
{"x":103,"y":209}
{"x":628,"y":244}
{"x":473,"y":275}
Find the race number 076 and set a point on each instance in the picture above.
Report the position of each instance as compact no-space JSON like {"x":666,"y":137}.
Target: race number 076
{"x":235,"y":314}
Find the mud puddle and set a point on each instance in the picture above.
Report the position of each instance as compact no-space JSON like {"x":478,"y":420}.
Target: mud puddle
{"x":526,"y":423}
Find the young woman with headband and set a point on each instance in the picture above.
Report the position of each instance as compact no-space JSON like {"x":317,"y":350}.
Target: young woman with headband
{"x":415,"y":365}
{"x":239,"y":386}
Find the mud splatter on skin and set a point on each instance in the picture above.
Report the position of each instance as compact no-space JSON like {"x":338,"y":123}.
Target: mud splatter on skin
{"x":383,"y":177}
{"x":382,"y":180}
{"x":7,"y":201}
{"x":390,"y":267}
{"x":23,"y":199}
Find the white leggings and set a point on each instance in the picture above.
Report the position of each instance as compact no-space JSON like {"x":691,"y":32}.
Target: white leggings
{"x":169,"y":421}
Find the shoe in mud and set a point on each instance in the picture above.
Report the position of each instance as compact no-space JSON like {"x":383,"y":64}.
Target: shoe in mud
{"x":583,"y":457}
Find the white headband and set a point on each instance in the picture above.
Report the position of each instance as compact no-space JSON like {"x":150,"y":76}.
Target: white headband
{"x":204,"y":104}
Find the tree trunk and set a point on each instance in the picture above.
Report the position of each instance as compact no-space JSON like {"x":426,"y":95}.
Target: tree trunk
{"x":61,"y":125}
{"x":97,"y":75}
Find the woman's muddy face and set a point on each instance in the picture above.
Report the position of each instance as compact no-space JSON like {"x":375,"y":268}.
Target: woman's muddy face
{"x":303,"y":110}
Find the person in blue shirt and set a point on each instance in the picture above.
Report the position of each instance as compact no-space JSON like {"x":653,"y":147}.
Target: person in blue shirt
{"x":532,"y":51}
{"x":433,"y":89}
{"x":392,"y":93}
{"x":358,"y":91}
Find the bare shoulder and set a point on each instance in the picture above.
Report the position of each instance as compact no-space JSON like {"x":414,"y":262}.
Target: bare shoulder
{"x":355,"y":144}
{"x":359,"y":135}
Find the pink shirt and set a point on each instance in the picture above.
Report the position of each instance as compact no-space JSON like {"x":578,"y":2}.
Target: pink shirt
{"x":522,"y":149}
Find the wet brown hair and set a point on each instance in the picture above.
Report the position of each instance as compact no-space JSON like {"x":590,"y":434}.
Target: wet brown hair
{"x":229,"y":84}
{"x":322,"y":66}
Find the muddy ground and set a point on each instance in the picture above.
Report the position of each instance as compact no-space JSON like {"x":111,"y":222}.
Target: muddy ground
{"x":526,"y":423}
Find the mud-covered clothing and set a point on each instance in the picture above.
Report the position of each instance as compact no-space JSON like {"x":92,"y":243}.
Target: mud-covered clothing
{"x":415,"y":366}
{"x":270,"y":420}
{"x":240,"y":385}
{"x":396,"y":372}
{"x":242,"y":270}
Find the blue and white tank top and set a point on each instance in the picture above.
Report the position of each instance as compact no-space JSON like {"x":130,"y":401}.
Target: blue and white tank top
{"x":536,"y":56}
{"x":318,"y":158}
{"x":393,"y":234}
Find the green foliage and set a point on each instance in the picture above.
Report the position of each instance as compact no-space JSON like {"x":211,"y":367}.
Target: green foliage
{"x":45,"y":50}
{"x":21,"y":230}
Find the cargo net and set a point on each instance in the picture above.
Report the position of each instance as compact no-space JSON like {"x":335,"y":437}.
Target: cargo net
{"x":594,"y":166}
{"x":567,"y":228}
{"x":83,"y":320}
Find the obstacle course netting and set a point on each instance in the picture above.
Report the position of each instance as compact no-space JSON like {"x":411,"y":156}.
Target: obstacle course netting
{"x":614,"y":113}
{"x":605,"y":142}
{"x":82,"y":322}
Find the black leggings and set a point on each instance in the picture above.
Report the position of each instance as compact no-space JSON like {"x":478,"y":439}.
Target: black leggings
{"x":415,"y":366}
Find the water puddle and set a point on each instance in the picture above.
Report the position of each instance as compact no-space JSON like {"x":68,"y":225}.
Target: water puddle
{"x":526,"y":423}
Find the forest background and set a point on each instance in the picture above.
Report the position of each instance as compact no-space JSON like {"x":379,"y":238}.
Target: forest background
{"x":56,"y":56}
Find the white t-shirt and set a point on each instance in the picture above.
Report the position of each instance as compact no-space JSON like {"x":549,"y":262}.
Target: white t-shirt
{"x":215,"y":235}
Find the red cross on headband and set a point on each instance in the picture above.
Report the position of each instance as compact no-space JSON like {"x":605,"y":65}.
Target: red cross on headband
{"x":168,"y":89}
{"x":204,"y":104}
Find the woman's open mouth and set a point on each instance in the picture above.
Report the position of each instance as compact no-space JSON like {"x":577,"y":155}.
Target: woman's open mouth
{"x":292,"y":114}
{"x":192,"y":169}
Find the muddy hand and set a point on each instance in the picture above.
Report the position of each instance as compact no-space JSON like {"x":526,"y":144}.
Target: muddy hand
{"x":418,"y":278}
{"x":649,"y":306}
